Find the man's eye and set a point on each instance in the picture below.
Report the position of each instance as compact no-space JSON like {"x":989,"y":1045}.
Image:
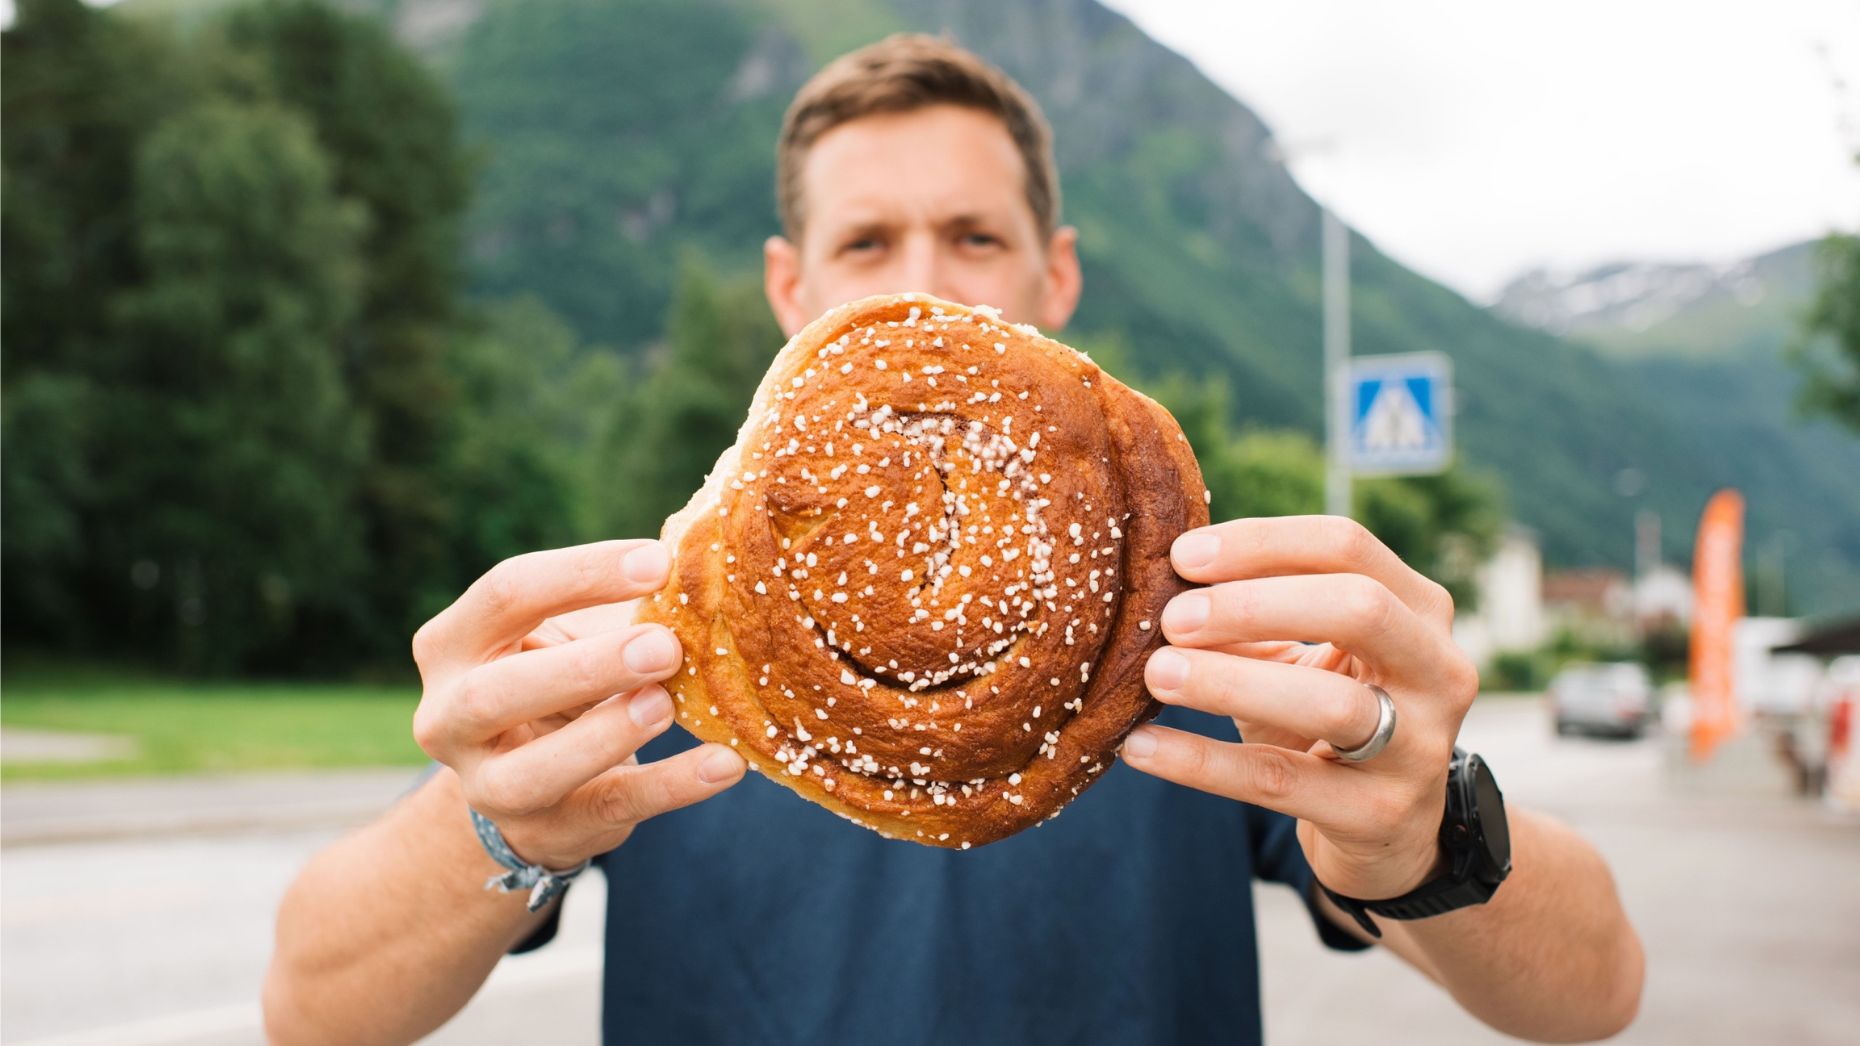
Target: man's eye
{"x":980,"y":239}
{"x":863,"y":244}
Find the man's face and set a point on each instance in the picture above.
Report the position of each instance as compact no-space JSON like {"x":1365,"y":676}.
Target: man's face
{"x":932,"y":200}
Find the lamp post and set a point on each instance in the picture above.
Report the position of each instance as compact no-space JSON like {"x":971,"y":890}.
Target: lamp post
{"x":1772,"y":560}
{"x":1336,"y":265}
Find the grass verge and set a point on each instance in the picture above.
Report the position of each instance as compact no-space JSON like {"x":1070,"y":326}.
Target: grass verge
{"x":184,"y":726}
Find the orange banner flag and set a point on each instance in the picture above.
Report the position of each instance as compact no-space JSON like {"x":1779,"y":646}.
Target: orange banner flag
{"x":1718,"y":603}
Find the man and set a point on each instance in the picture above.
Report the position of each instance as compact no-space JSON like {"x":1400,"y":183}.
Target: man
{"x":751,"y":916}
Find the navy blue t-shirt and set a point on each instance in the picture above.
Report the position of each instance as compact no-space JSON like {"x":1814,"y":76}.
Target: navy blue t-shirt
{"x":757,"y":917}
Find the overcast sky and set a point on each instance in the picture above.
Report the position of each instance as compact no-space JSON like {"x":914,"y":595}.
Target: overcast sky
{"x":1472,"y":140}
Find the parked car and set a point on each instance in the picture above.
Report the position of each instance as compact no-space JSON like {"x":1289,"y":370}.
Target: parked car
{"x":1609,"y":698}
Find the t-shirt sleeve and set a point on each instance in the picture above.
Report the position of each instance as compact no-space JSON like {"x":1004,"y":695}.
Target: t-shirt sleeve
{"x":1278,"y":858}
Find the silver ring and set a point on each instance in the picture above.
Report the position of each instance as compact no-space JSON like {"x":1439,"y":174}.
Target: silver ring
{"x":1385,"y":729}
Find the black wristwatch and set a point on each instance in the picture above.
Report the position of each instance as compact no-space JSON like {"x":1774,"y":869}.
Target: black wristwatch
{"x":1477,"y":841}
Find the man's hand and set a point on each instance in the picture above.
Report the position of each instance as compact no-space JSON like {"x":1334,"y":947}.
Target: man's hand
{"x":1369,"y":829}
{"x":538,"y":692}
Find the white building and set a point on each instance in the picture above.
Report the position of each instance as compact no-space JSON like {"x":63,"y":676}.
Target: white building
{"x":1662,"y":593}
{"x":1510,"y":615}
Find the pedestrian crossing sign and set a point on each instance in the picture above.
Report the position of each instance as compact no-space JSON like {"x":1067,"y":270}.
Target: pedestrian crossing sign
{"x":1400,"y":411}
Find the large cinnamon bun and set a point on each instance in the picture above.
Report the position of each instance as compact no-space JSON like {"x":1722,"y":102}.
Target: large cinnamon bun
{"x":920,"y":588}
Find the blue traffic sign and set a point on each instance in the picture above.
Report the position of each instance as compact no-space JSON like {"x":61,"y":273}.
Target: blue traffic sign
{"x":1400,"y":413}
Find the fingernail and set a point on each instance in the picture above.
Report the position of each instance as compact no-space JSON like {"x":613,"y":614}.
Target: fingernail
{"x":646,"y":564}
{"x":651,"y":652}
{"x":1167,"y":670}
{"x":1186,"y":612}
{"x":649,"y":706}
{"x":1141,"y":743}
{"x":720,"y":765}
{"x":1197,"y":548}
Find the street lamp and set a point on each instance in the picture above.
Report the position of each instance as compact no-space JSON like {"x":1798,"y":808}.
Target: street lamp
{"x":1334,"y":252}
{"x":1336,"y":263}
{"x":1772,"y":560}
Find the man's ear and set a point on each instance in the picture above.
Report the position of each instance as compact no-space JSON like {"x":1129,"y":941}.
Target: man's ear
{"x":781,"y":282}
{"x":1064,"y":281}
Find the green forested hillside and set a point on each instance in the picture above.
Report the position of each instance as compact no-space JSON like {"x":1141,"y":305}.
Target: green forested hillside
{"x":617,"y":139}
{"x":1713,"y":343}
{"x":611,"y":132}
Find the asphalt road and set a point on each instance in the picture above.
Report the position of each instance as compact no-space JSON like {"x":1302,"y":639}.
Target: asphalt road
{"x":1748,"y":901}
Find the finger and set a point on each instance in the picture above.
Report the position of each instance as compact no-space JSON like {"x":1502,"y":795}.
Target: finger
{"x":515,"y":596}
{"x":630,"y":794}
{"x":542,"y":772}
{"x":1311,"y":655}
{"x":1350,"y":611}
{"x":1276,"y":546}
{"x":1307,"y":702}
{"x":579,"y":624}
{"x":1293,"y":783}
{"x":493,"y":697}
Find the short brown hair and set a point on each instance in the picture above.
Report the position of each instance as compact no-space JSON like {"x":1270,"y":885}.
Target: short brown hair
{"x":899,"y":74}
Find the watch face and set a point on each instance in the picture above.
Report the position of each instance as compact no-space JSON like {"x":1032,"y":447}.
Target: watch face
{"x":1490,"y":804}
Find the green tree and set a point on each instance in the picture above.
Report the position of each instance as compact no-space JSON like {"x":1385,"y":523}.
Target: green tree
{"x":248,"y":420}
{"x":523,"y":460}
{"x":81,"y":91}
{"x":1264,"y":472}
{"x":390,"y":132}
{"x":232,"y":440}
{"x":1830,"y":351}
{"x":668,"y":432}
{"x":46,"y":484}
{"x":1443,"y":525}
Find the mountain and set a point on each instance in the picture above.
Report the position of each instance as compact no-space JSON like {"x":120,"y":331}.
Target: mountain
{"x":616,"y":134}
{"x":1645,"y":307}
{"x":1713,"y":341}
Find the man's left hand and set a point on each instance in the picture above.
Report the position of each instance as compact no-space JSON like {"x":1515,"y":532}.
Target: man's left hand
{"x":1298,"y":614}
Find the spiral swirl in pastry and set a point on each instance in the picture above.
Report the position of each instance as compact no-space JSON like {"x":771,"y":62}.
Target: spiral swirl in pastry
{"x":920,"y":588}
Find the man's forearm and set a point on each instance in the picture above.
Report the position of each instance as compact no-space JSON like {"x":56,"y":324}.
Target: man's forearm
{"x":388,"y":932}
{"x":1550,"y":958}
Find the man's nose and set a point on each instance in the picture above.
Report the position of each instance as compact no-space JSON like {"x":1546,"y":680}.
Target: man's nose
{"x":923,"y":268}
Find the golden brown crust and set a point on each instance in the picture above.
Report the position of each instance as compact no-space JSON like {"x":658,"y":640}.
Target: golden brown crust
{"x":920,"y":588}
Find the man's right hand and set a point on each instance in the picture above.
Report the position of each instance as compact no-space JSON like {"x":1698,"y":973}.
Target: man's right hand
{"x":537,"y":692}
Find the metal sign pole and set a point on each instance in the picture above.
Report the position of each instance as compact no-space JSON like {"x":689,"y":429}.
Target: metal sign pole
{"x":1336,"y":263}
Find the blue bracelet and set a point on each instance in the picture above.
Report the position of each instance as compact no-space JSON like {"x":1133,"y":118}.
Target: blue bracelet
{"x":544,"y":885}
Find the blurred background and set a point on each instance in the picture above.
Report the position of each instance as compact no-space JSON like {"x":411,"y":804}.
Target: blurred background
{"x":313,"y":312}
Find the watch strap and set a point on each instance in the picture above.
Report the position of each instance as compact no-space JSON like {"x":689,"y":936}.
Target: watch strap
{"x":1437,"y":897}
{"x":1354,"y":908}
{"x":1457,"y":887}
